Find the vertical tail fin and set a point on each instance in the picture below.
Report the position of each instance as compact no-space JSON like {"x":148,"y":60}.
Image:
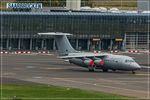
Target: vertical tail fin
{"x":63,"y":44}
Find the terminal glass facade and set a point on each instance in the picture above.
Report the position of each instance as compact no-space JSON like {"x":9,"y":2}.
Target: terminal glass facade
{"x":91,"y":30}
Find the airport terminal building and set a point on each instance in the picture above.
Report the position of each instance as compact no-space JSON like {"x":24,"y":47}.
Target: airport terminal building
{"x":91,"y":30}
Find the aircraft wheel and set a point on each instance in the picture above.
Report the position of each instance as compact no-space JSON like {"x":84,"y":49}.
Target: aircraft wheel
{"x":133,"y":72}
{"x":91,"y":70}
{"x":105,"y":70}
{"x":114,"y":70}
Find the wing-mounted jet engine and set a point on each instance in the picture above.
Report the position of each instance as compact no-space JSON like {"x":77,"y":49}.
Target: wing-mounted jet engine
{"x":84,"y":62}
{"x":98,"y":62}
{"x":90,"y":64}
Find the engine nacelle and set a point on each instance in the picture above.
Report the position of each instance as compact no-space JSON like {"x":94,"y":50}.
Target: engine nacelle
{"x":99,"y":62}
{"x":88,"y":62}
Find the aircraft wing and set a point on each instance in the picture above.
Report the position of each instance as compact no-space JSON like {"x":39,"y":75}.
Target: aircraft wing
{"x":83,"y":56}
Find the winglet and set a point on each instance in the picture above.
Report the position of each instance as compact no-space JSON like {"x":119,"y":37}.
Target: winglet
{"x":54,"y":33}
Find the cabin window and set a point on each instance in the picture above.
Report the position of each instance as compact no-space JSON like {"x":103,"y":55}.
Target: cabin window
{"x":129,"y":61}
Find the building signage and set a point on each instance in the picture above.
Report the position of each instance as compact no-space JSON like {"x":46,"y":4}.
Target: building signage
{"x":24,"y":5}
{"x":96,"y":39}
{"x":118,"y":39}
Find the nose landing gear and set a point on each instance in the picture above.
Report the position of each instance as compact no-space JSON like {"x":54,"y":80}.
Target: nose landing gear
{"x":133,"y":72}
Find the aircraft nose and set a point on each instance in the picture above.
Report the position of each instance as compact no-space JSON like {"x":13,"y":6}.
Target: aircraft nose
{"x":137,"y":66}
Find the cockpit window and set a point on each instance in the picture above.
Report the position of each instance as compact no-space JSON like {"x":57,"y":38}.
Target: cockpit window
{"x":129,"y":61}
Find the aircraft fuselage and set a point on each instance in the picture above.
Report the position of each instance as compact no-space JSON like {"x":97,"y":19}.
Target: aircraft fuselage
{"x":113,"y":62}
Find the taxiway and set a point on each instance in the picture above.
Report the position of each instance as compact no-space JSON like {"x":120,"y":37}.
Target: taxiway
{"x":48,"y":69}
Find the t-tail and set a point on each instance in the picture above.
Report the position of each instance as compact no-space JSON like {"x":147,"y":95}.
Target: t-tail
{"x":63,"y":44}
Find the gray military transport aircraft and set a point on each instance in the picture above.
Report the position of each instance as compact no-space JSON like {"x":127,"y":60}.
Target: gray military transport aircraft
{"x":104,"y":61}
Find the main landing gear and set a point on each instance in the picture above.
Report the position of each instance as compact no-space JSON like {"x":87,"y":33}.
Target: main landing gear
{"x":105,"y":70}
{"x":91,"y":68}
{"x":114,"y":70}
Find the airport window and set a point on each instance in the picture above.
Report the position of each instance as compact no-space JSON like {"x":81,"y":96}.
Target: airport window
{"x":79,"y":24}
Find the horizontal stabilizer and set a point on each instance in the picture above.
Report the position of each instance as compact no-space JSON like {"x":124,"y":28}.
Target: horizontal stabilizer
{"x":63,"y":44}
{"x":54,"y":33}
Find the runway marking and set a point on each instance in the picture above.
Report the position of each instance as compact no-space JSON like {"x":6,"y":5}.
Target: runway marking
{"x":17,"y":68}
{"x":129,"y":82}
{"x":30,"y":67}
{"x":112,"y":81}
{"x":120,"y":81}
{"x":54,"y":68}
{"x":129,"y":78}
{"x":142,"y":74}
{"x":9,"y":73}
{"x":79,"y":82}
{"x":38,"y":77}
{"x":94,"y":84}
{"x":124,"y":82}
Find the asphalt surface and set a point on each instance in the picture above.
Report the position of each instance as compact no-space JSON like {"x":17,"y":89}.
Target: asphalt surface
{"x":48,"y":69}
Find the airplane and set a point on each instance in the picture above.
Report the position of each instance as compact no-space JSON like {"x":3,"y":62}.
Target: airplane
{"x":92,"y":61}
